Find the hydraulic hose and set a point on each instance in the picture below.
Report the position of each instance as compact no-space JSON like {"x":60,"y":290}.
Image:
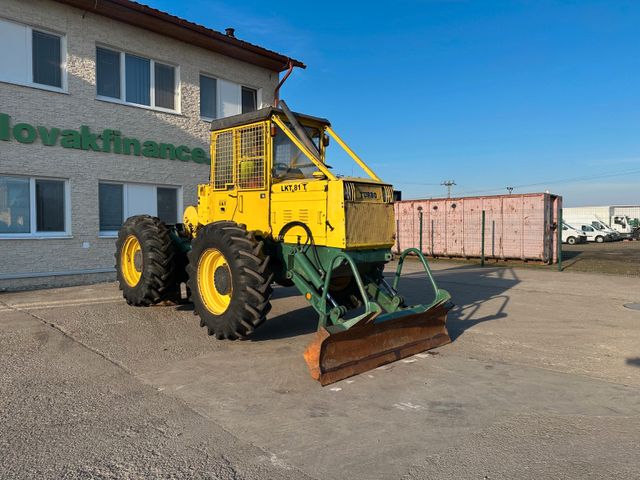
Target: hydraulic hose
{"x":305,"y":227}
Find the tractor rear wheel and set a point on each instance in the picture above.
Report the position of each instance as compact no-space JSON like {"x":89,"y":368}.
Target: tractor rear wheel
{"x":229,"y":280}
{"x":146,"y":261}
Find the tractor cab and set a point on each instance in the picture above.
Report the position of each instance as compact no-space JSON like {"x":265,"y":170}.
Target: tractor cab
{"x":269,"y":169}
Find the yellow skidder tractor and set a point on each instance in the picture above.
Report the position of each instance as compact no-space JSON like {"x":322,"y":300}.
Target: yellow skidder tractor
{"x":273,"y":211}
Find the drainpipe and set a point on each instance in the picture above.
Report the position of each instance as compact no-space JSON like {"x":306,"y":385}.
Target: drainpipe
{"x":276,"y":93}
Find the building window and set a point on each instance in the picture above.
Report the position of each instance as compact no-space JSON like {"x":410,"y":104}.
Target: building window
{"x":50,"y":211}
{"x":136,"y":80}
{"x":119,"y":201}
{"x":208,"y":97}
{"x":47,"y":57}
{"x":167,"y":201}
{"x":14,"y":205}
{"x":111,"y":206}
{"x":165,"y":86}
{"x":34,"y":58}
{"x":221,"y":98}
{"x":249,"y":99}
{"x":34,"y":207}
{"x":108,"y":73}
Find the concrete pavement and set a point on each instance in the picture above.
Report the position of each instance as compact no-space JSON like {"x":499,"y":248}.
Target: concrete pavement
{"x":541,"y":381}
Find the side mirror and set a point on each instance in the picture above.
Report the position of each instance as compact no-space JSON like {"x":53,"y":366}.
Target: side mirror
{"x":325,"y":140}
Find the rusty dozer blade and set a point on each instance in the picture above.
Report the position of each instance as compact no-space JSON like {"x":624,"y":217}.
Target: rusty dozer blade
{"x":370,"y":344}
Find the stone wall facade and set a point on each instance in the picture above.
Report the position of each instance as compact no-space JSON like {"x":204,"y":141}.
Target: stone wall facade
{"x":74,"y":258}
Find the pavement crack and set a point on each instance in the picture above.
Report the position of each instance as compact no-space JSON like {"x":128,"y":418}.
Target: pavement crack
{"x":66,"y":334}
{"x":265,"y":454}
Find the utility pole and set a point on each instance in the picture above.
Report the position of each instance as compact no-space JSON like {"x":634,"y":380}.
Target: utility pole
{"x":448,"y":184}
{"x":510,"y":190}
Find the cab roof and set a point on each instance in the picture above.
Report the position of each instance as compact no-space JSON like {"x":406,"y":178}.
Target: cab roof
{"x":261,"y":115}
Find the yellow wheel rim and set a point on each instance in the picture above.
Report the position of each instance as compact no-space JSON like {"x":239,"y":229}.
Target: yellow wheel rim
{"x":131,"y":261}
{"x":214,"y":281}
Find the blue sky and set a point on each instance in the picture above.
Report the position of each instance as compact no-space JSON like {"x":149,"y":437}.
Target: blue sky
{"x":533,"y":94}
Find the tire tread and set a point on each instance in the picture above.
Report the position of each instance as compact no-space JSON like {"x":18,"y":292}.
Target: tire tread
{"x":251,"y":281}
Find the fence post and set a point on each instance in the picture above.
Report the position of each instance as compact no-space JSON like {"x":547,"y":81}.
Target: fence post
{"x":432,"y":244}
{"x":482,"y":253}
{"x":493,"y":238}
{"x":420,"y":221}
{"x":559,"y":240}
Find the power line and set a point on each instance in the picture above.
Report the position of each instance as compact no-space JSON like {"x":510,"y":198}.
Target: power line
{"x":527,"y":185}
{"x":559,"y":181}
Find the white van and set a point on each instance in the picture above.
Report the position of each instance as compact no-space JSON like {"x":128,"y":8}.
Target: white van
{"x":606,"y":230}
{"x":595,"y":235}
{"x":616,"y":217}
{"x":572,"y":236}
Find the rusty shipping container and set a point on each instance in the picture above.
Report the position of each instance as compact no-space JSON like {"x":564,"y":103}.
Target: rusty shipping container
{"x":519,"y":227}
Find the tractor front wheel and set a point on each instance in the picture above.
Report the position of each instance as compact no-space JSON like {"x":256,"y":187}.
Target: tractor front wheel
{"x":146,"y":261}
{"x":229,"y":280}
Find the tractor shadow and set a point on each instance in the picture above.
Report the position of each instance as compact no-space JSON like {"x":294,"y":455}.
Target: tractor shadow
{"x":278,"y":293}
{"x":478,"y":294}
{"x":635,"y":362}
{"x":301,"y":321}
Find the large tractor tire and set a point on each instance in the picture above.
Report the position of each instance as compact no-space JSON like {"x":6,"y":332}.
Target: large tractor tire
{"x":229,"y":280}
{"x":345,"y":290}
{"x":147,"y":262}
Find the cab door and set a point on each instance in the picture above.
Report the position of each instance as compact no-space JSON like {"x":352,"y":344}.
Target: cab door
{"x":240,"y":160}
{"x":252,"y":164}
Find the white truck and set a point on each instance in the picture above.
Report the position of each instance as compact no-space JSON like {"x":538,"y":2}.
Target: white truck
{"x":602,"y":218}
{"x":572,"y":236}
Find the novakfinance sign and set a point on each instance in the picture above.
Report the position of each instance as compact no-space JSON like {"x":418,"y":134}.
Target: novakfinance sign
{"x":109,"y":141}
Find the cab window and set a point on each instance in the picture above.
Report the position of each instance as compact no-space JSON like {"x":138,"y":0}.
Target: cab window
{"x":289,"y":163}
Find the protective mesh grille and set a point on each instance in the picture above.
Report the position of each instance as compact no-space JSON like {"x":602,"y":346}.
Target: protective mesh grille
{"x":223,"y":160}
{"x":369,"y":224}
{"x":251,"y":160}
{"x":239,"y":158}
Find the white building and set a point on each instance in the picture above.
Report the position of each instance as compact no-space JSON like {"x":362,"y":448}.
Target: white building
{"x":104,"y":110}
